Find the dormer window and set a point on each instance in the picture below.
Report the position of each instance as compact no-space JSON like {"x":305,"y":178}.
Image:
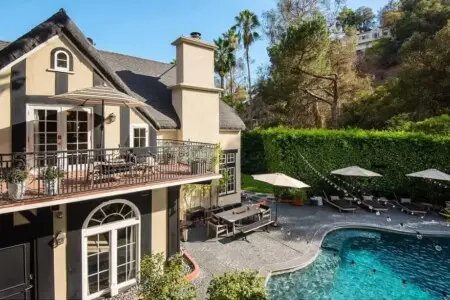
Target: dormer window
{"x":61,"y":60}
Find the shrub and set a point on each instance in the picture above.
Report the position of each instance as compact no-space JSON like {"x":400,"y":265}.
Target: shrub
{"x":435,"y":125}
{"x":164,"y":279}
{"x":392,"y":154}
{"x":16,"y":176}
{"x":52,"y":173}
{"x":240,"y":285}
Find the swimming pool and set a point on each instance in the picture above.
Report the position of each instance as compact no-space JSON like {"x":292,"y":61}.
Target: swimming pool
{"x":369,"y":264}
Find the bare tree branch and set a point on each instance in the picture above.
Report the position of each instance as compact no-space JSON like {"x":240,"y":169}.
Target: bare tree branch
{"x":317,"y":96}
{"x":331,"y":78}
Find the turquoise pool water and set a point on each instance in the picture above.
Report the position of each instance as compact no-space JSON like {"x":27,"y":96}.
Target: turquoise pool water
{"x":367,"y":264}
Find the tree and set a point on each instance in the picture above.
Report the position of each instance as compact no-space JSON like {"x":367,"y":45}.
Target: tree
{"x":309,"y":72}
{"x":247,"y":24}
{"x":224,"y":59}
{"x":245,"y":285}
{"x":233,"y":40}
{"x":164,"y":280}
{"x":361,"y":19}
{"x":389,"y":13}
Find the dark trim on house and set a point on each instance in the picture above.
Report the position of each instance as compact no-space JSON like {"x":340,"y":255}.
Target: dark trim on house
{"x":225,"y":165}
{"x":76,"y":215}
{"x":97,"y":79}
{"x":18,"y":108}
{"x":52,"y":57}
{"x":230,"y":151}
{"x":37,"y":235}
{"x":173,"y":220}
{"x":61,"y":83}
{"x":124,"y":126}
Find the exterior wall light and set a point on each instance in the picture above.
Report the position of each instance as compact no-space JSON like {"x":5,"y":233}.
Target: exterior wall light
{"x":111,"y":118}
{"x":58,"y":239}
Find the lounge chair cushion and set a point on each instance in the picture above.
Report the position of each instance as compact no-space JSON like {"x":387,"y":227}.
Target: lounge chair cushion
{"x":366,"y":197}
{"x":405,"y":200}
{"x":334,"y":198}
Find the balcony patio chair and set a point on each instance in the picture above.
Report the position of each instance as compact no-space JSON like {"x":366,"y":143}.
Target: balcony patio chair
{"x":214,"y":224}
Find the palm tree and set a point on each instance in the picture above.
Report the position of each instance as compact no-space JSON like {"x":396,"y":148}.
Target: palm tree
{"x":224,"y":59}
{"x":233,"y":39}
{"x":247,"y":23}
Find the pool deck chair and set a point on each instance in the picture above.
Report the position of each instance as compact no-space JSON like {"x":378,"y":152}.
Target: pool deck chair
{"x":372,"y":205}
{"x":341,"y":205}
{"x":411,"y":208}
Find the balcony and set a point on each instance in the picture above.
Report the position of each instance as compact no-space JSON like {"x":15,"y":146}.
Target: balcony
{"x":64,"y":174}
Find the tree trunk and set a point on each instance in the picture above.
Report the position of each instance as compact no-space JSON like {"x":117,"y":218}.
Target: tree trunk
{"x":336,"y":105}
{"x":231,"y":83}
{"x":318,"y":120}
{"x":250,"y":104}
{"x":222,"y":82}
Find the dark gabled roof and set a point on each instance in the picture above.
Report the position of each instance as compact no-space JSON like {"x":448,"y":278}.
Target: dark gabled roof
{"x":3,"y":44}
{"x":144,"y":79}
{"x":150,"y":80}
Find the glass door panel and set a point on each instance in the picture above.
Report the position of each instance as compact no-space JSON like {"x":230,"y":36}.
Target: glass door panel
{"x":126,"y":253}
{"x":45,"y":136}
{"x":98,"y":262}
{"x":77,"y":138}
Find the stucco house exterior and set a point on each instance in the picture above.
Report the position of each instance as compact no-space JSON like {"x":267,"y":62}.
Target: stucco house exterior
{"x":104,"y":182}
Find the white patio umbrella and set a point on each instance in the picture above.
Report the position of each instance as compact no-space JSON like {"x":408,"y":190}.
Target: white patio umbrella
{"x":356,"y":172}
{"x":101,"y":95}
{"x":431,"y":174}
{"x":280,"y":179}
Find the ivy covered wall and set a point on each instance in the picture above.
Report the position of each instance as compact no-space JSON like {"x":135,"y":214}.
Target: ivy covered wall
{"x":392,"y":154}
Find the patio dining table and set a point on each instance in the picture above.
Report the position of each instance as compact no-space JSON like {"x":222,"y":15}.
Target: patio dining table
{"x":237,"y":214}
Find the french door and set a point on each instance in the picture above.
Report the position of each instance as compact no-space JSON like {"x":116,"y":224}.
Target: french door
{"x":52,"y":128}
{"x":110,"y":258}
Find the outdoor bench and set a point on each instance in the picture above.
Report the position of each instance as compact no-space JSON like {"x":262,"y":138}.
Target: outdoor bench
{"x":254,"y":226}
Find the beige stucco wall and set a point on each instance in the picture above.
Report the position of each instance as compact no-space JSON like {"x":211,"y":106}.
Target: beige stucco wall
{"x":112,"y":131}
{"x":41,"y":81}
{"x":135,"y":118}
{"x":59,"y":255}
{"x":196,"y":67}
{"x":5,"y":111}
{"x":199,"y":115}
{"x":168,"y":134}
{"x":159,"y":220}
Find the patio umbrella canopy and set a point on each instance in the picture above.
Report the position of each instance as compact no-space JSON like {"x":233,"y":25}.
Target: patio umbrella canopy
{"x":279,"y":179}
{"x":431,"y":174}
{"x":101,"y":95}
{"x":355,"y":171}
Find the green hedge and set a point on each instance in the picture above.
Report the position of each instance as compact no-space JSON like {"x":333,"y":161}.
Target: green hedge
{"x":392,"y":154}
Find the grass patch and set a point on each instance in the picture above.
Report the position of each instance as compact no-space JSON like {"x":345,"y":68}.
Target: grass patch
{"x":251,"y":185}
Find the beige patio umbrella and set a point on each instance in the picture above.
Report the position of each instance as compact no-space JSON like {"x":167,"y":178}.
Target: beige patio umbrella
{"x":101,"y":95}
{"x":280,"y":179}
{"x":431,"y":174}
{"x":356,"y":172}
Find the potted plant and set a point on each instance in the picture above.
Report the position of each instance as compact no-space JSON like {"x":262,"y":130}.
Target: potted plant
{"x":16,"y":183}
{"x":299,"y":197}
{"x":52,"y":180}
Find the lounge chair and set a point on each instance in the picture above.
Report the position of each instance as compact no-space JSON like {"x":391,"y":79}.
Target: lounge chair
{"x":372,"y":204}
{"x":411,"y":208}
{"x":341,"y":205}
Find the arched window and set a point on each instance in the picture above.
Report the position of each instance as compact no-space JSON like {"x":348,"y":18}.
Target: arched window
{"x":110,"y":250}
{"x":61,"y":60}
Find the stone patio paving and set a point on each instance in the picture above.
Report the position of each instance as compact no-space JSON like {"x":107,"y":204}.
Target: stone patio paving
{"x":295,"y":244}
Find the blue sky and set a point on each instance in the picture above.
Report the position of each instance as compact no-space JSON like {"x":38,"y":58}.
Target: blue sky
{"x":143,"y":28}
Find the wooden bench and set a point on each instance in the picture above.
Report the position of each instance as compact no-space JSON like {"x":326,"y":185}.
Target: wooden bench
{"x":254,"y":226}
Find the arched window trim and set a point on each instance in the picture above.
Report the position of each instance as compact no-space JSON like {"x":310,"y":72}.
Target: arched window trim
{"x":137,"y":215}
{"x":55,"y":57}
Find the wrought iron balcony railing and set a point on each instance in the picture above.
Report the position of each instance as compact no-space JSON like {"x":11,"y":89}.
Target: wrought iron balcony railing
{"x":47,"y":174}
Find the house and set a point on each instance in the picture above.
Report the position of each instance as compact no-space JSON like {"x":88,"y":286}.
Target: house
{"x":366,"y":39}
{"x":104,"y":178}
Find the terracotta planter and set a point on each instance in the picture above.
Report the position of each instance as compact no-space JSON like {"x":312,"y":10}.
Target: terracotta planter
{"x":298,"y":202}
{"x":16,"y":191}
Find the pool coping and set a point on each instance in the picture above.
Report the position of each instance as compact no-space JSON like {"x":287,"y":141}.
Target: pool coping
{"x":283,"y":269}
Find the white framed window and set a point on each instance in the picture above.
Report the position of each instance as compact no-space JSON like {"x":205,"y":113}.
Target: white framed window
{"x":110,"y":248}
{"x":139,"y":135}
{"x":61,"y":61}
{"x":228,"y":166}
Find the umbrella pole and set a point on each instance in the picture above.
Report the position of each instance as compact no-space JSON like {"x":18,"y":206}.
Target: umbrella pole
{"x":102,"y":126}
{"x":275,"y":223}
